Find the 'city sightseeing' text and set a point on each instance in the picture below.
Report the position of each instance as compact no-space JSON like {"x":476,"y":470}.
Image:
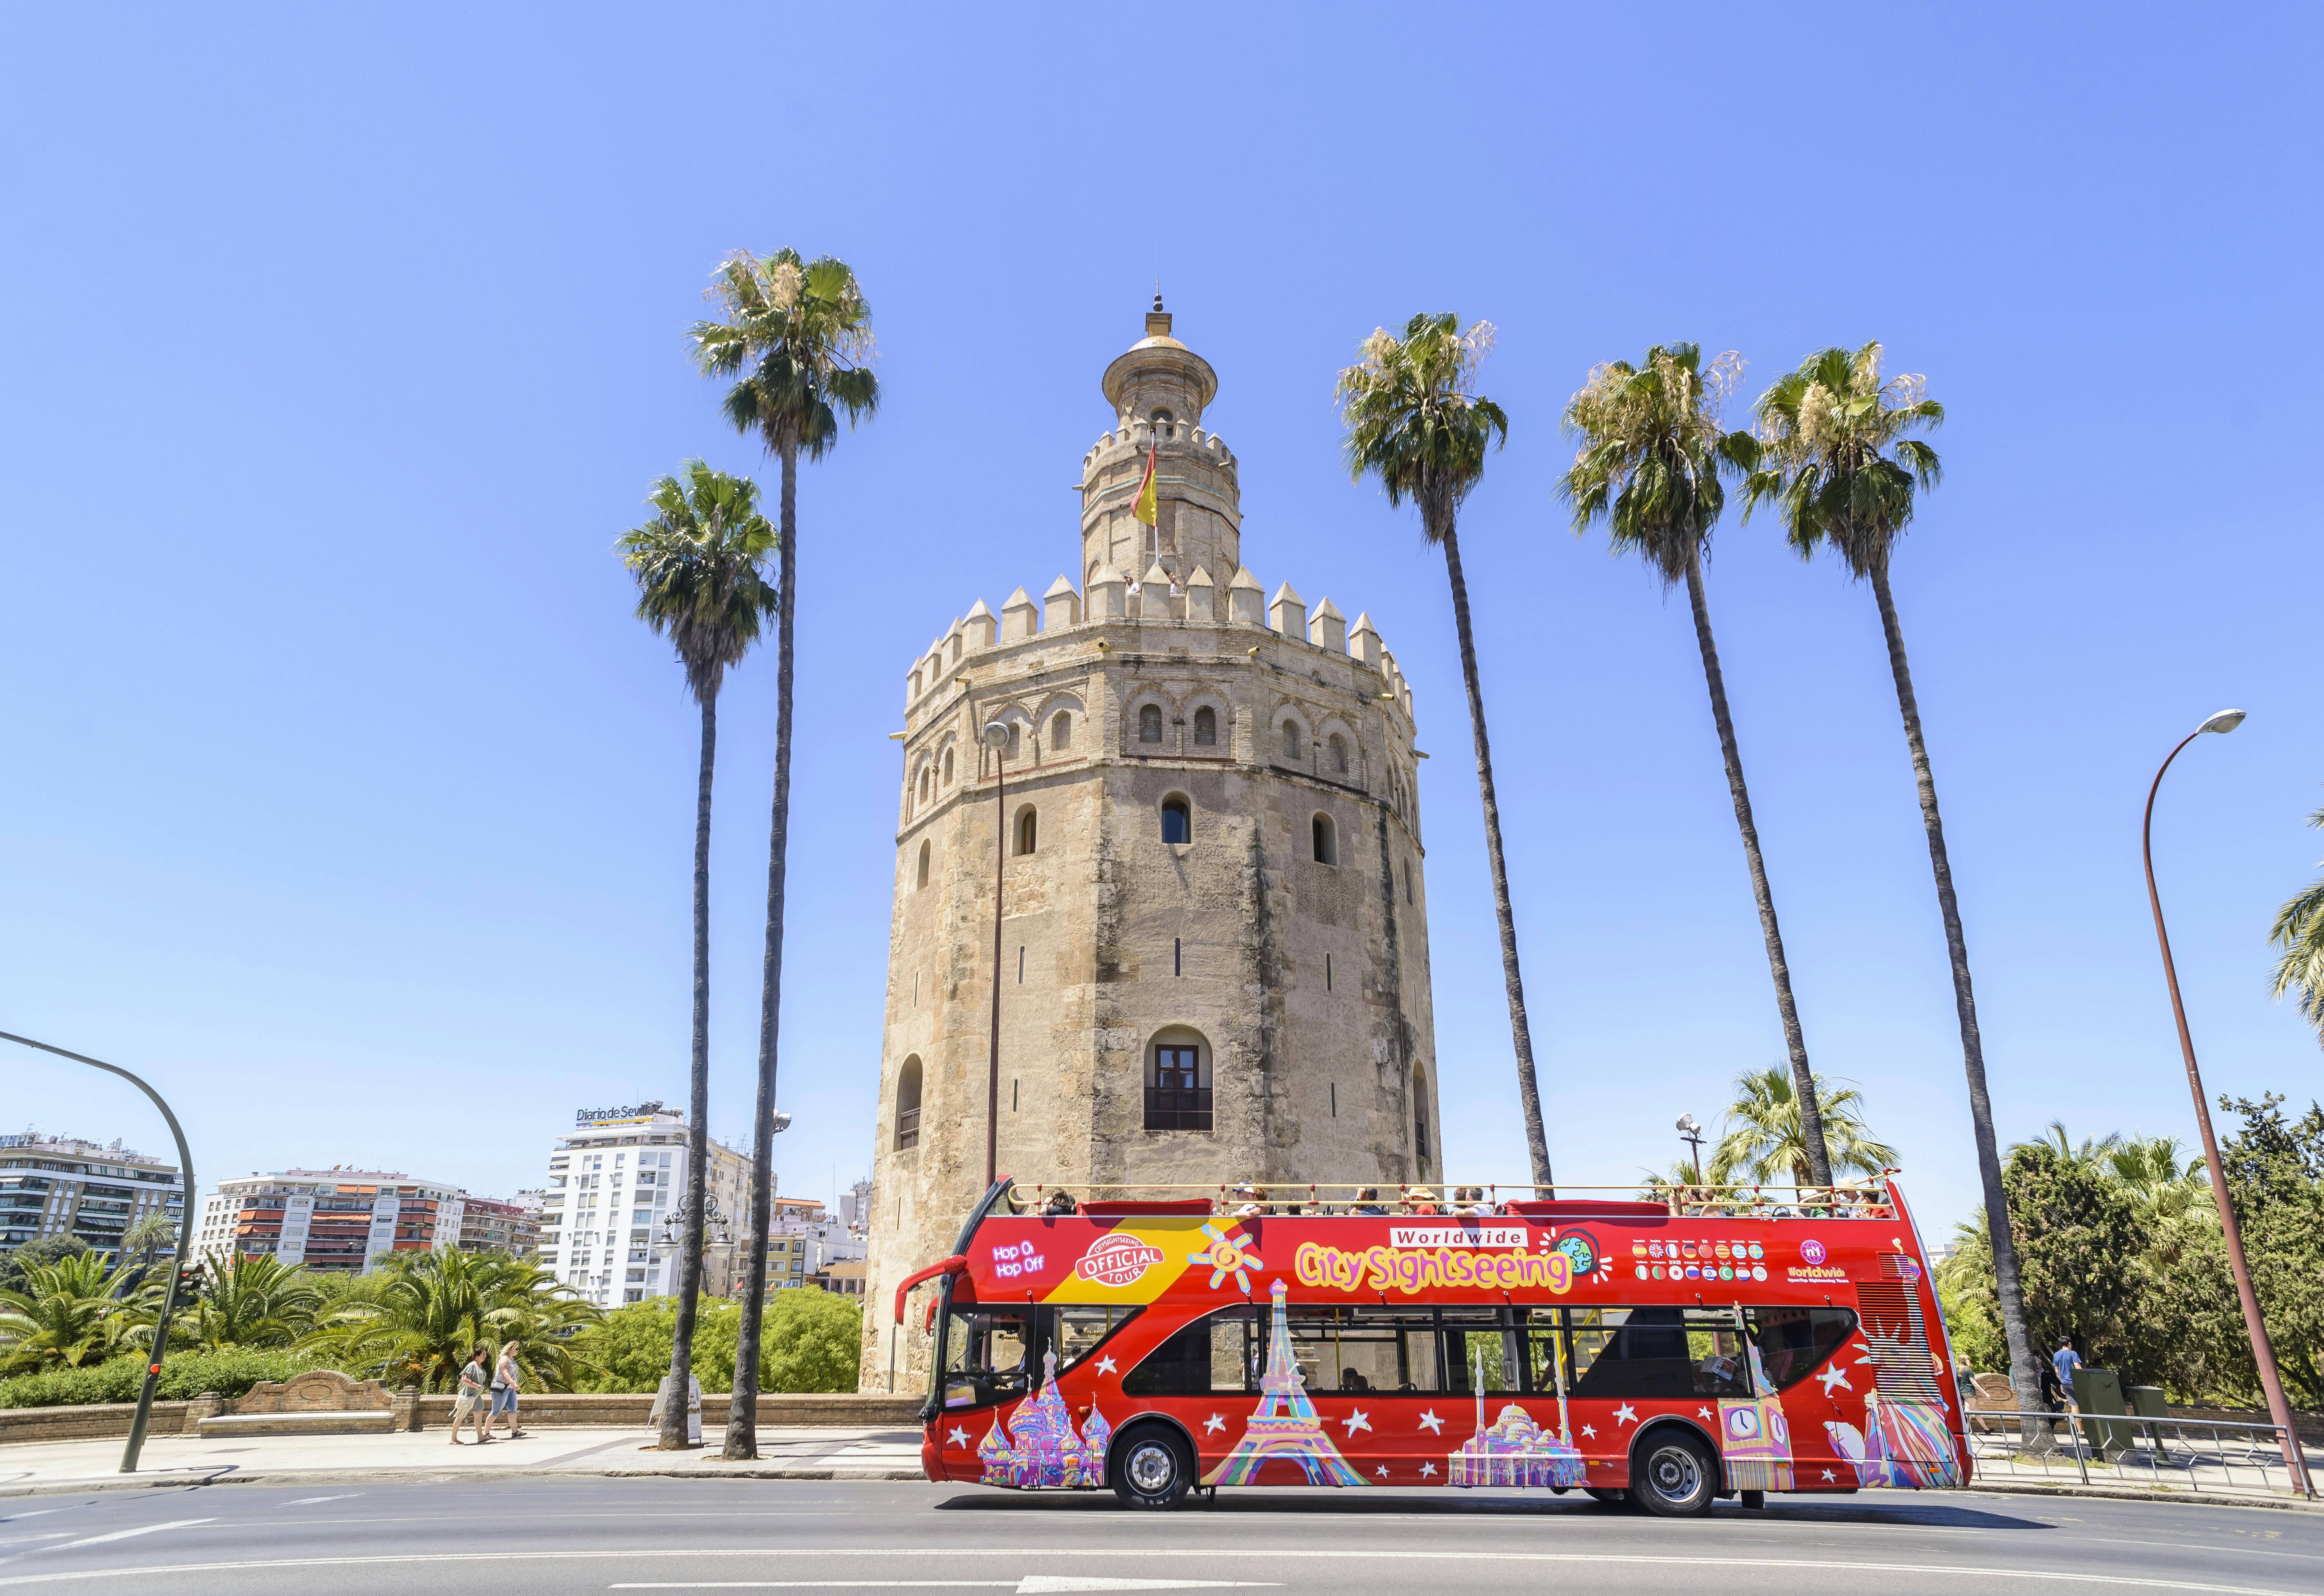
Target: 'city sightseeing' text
{"x":1411,"y":1271}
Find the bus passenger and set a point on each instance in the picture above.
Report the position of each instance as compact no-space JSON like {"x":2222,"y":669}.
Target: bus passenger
{"x":1247,"y":1200}
{"x":1368,"y":1202}
{"x":1420,"y":1199}
{"x":1061,"y":1205}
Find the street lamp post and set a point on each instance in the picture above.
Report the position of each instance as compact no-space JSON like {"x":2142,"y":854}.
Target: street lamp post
{"x":2262,"y":1353}
{"x":996,"y":737}
{"x":177,"y":1265}
{"x":1690,"y":1131}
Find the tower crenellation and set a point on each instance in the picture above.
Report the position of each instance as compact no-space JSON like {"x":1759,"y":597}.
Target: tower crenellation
{"x":1214,"y":950}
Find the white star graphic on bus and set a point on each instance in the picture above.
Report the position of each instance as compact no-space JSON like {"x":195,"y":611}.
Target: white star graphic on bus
{"x":1702,"y":1413}
{"x":1357,"y":1420}
{"x":1381,"y":1470}
{"x":959,"y":1437}
{"x":1625,"y":1414}
{"x":1106,"y":1365}
{"x":1213,"y":1425}
{"x":1431,"y":1423}
{"x":1829,"y":1475}
{"x":1590,"y":1432}
{"x":1834,"y":1376}
{"x":1428,"y":1469}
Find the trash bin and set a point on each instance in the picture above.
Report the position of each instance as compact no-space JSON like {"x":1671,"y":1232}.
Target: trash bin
{"x":2147,"y":1402}
{"x":2099,"y":1393}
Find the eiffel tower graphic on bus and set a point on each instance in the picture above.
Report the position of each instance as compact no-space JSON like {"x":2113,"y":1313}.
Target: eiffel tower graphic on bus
{"x":1284,"y":1427}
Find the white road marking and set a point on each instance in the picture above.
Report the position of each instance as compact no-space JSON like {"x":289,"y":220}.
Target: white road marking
{"x":1028,"y":1586}
{"x":347,"y":1496}
{"x":1180,"y":1553}
{"x":123,"y":1535}
{"x":1033,"y":1582}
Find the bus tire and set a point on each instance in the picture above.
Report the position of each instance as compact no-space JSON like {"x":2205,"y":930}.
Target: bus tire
{"x":1152,"y":1467}
{"x":1673,"y":1474}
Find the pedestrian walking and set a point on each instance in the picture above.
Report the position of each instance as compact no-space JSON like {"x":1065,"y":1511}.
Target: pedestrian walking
{"x":2065,"y":1360}
{"x":507,"y":1380}
{"x":474,"y":1399}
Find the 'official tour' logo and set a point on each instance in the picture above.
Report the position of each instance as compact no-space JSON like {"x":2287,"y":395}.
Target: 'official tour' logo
{"x":1117,"y":1261}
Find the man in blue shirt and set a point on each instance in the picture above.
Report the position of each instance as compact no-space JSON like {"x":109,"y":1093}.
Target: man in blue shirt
{"x":2065,"y":1359}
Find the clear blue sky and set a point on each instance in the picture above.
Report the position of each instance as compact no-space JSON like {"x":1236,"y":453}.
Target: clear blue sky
{"x":345,"y":797}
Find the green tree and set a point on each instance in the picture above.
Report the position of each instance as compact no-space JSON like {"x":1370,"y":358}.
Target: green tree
{"x":796,"y":335}
{"x":16,"y":1263}
{"x":67,"y":1313}
{"x":1965,"y":1295}
{"x":2275,"y":1169}
{"x":256,"y":1301}
{"x":1414,"y":420}
{"x":2082,"y":1243}
{"x":700,"y":570}
{"x":2299,"y":930}
{"x":812,"y":1342}
{"x":417,"y":1322}
{"x":148,"y":1238}
{"x":1761,"y":1141}
{"x":1837,"y":461}
{"x":1653,"y":451}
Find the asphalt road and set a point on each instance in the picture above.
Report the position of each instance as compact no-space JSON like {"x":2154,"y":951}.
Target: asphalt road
{"x":528,"y":1535}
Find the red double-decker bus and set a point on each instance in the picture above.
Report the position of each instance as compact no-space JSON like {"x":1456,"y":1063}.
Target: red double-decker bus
{"x":1731,"y":1341}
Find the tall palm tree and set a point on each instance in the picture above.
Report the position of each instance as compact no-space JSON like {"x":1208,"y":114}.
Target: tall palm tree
{"x":796,"y":335}
{"x":1762,"y":1142}
{"x":1414,"y":420}
{"x":700,"y":566}
{"x":418,"y":1323}
{"x":2299,"y":930}
{"x":1838,"y":465}
{"x":1652,"y":455}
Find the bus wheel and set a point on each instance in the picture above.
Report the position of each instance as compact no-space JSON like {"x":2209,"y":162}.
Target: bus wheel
{"x":1151,"y":1467}
{"x":1607,"y":1495}
{"x":1675,"y":1477}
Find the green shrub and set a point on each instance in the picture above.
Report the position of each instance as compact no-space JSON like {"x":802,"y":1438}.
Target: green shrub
{"x":184,"y":1375}
{"x":809,"y":1342}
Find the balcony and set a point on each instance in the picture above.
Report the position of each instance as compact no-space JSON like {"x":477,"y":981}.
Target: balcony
{"x":1177,"y":1108}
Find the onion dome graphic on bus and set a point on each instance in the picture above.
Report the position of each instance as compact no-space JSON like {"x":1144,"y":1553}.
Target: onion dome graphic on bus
{"x":1042,"y":1450}
{"x":1284,"y":1426}
{"x":1513,"y":1450}
{"x":1230,"y":1253}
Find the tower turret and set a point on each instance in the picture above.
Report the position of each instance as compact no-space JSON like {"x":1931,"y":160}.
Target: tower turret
{"x":1157,"y":389}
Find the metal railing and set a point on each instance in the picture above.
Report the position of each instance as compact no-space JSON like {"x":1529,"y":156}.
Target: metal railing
{"x":1189,"y":1108}
{"x":1178,"y":1108}
{"x":2198,"y":1455}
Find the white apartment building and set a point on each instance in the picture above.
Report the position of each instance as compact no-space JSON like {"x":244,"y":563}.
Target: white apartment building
{"x":615,"y":1181}
{"x":62,"y":1185}
{"x":342,"y":1219}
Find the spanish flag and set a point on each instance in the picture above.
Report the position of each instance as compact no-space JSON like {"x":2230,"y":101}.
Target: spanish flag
{"x":1144,"y":506}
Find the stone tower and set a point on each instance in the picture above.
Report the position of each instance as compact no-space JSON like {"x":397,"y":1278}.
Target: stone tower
{"x":1214,"y":944}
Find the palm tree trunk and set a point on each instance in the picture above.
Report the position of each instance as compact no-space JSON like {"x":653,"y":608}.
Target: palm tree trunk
{"x":1819,"y":1165}
{"x":697,"y":1132}
{"x":2025,"y":1377}
{"x":743,"y":1416}
{"x":1520,"y":1032}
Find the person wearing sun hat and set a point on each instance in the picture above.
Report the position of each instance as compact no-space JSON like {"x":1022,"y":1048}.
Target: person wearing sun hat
{"x":1248,"y":1201}
{"x":1420,"y":1199}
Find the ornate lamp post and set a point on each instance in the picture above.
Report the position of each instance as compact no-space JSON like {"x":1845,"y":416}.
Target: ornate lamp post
{"x":2262,"y":1353}
{"x":996,"y":737}
{"x":177,"y":1265}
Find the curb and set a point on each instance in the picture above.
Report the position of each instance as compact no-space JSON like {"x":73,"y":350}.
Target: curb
{"x":2179,"y":1498}
{"x":193,"y":1479}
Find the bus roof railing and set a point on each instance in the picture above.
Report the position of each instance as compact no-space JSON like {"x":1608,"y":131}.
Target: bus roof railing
{"x":1865,"y":1199}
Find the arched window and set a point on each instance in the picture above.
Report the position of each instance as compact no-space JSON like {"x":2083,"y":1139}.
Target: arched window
{"x":1016,"y":742}
{"x":1206,"y":727}
{"x":1026,"y":831}
{"x":1177,"y":820}
{"x":908,"y":1103}
{"x":924,"y":784}
{"x":947,"y":768}
{"x":1420,"y":1117}
{"x":1149,"y":724}
{"x":1407,"y":881}
{"x":1292,"y":749}
{"x":925,"y":849}
{"x":1177,"y":1081}
{"x":1339,"y":754}
{"x":1327,"y":849}
{"x":1061,"y":733}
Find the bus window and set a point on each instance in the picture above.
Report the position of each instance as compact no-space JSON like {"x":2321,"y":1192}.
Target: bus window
{"x":1793,"y":1342}
{"x":1656,"y":1352}
{"x":988,"y":1355}
{"x":1074,"y":1331}
{"x":1216,"y":1353}
{"x":1365,"y":1349}
{"x":1478,"y":1346}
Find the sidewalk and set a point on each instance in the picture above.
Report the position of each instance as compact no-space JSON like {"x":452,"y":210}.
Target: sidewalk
{"x":44,"y":1466}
